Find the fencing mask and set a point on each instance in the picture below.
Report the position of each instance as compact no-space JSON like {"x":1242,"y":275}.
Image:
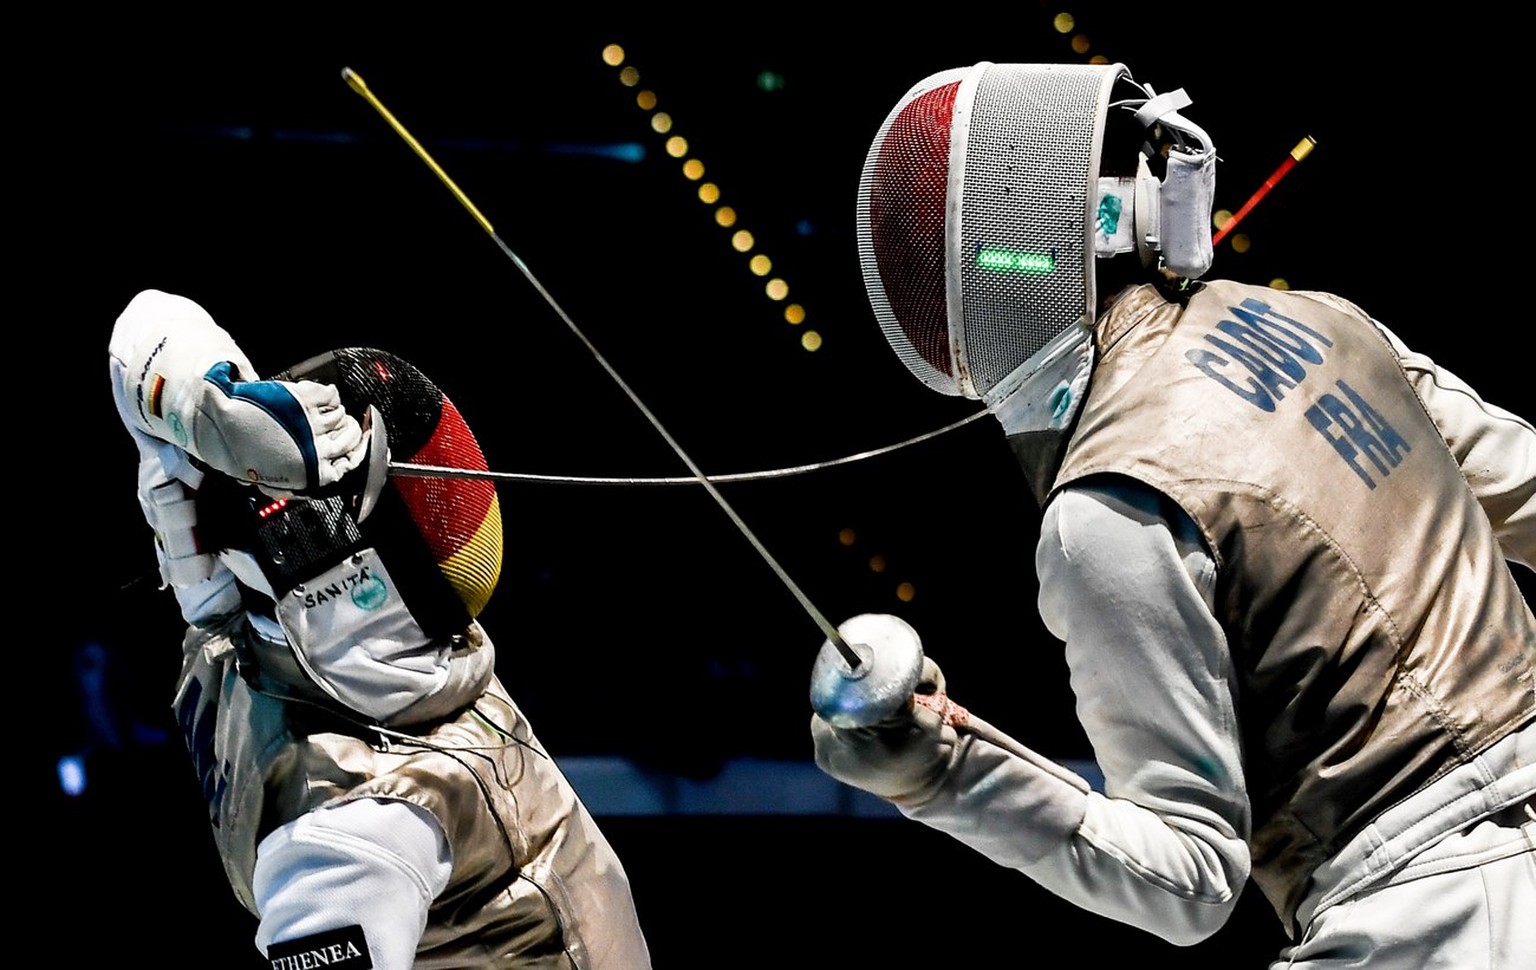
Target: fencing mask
{"x":442,"y":537}
{"x":982,"y":210}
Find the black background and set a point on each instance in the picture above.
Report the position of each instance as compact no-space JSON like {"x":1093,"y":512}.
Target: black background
{"x":228,"y":161}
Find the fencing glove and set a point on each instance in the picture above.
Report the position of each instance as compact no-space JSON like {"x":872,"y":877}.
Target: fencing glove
{"x":902,"y":759}
{"x":287,"y":436}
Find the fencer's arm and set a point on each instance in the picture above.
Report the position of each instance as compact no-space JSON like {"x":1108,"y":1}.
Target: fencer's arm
{"x":204,"y":589}
{"x":185,"y":381}
{"x":365,"y":870}
{"x":1495,"y":448}
{"x":1163,"y":848}
{"x":161,"y":347}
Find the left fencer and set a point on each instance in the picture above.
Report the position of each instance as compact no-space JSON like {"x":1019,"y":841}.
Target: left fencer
{"x":375,"y":794}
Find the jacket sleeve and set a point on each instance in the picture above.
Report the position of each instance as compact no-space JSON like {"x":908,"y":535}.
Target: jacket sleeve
{"x":168,"y":479}
{"x":1495,"y":448}
{"x":1125,"y":584}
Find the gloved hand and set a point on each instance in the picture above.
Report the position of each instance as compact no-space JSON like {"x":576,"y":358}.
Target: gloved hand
{"x":902,"y":759}
{"x":287,"y":436}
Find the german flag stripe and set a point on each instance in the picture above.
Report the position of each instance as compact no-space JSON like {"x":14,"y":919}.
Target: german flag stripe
{"x":475,"y":569}
{"x":450,"y":512}
{"x":156,"y":395}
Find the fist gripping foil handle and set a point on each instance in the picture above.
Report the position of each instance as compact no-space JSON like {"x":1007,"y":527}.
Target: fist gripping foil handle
{"x":880,"y":687}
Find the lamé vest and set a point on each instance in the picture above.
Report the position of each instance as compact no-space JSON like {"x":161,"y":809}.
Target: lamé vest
{"x":1378,"y":636}
{"x":534,"y":883}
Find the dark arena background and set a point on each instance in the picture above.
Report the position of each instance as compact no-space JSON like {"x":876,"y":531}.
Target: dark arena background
{"x":683,"y":186}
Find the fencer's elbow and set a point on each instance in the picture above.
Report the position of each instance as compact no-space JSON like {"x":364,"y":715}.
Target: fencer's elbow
{"x":1194,"y":922}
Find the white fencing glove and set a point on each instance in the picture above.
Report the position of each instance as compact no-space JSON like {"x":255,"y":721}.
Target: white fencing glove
{"x":289,"y":435}
{"x":181,"y":378}
{"x":902,"y":759}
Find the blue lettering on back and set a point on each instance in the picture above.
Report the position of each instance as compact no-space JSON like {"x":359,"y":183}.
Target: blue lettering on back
{"x":1391,"y":444}
{"x":1364,"y":432}
{"x":1273,"y":348}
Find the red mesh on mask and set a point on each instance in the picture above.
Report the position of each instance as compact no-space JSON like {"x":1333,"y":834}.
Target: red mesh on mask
{"x":909,"y":191}
{"x":459,"y":518}
{"x":442,"y":539}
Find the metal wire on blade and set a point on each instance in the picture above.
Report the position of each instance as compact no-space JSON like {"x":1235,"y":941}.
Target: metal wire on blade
{"x":411,"y":470}
{"x":357,"y":84}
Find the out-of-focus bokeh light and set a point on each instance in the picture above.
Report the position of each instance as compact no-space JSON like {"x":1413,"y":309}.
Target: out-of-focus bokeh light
{"x":1098,"y":59}
{"x":1064,"y":22}
{"x":847,"y":537}
{"x":709,"y":193}
{"x":906,"y":592}
{"x":1279,"y":283}
{"x":1080,"y":43}
{"x":877,"y":564}
{"x":72,"y":775}
{"x":1221,"y":217}
{"x":1240,"y":242}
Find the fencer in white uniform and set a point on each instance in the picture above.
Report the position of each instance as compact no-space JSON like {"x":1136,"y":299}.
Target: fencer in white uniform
{"x":376,"y":796}
{"x":1275,"y":547}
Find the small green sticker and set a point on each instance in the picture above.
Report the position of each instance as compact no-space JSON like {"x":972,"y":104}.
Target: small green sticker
{"x":1109,"y":214}
{"x":370,"y":594}
{"x":177,"y":429}
{"x":1061,"y":399}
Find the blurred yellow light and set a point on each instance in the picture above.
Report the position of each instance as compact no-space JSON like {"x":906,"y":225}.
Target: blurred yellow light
{"x":709,"y":193}
{"x":1064,"y":23}
{"x":847,"y":537}
{"x":810,"y":340}
{"x":693,"y":169}
{"x":646,"y":100}
{"x":1279,"y":283}
{"x":661,"y":122}
{"x":726,"y":216}
{"x":677,"y":146}
{"x":1241,"y":242}
{"x":905,"y":592}
{"x":1221,"y":217}
{"x":741,"y":240}
{"x":613,"y":55}
{"x":760,"y":265}
{"x":1080,"y":43}
{"x":777,"y":289}
{"x":794,"y":313}
{"x":877,"y":564}
{"x":629,"y":77}
{"x":1098,"y":59}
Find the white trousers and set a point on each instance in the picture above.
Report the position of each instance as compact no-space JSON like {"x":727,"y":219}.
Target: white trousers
{"x":1467,"y":903}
